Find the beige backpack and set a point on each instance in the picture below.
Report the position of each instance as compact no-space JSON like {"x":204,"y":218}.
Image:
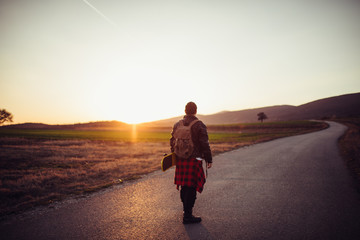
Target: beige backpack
{"x":184,"y":145}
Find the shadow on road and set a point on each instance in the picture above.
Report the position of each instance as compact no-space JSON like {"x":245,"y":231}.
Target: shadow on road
{"x":197,"y":231}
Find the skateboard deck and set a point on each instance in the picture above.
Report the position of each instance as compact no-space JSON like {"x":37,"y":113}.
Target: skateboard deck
{"x":168,"y":161}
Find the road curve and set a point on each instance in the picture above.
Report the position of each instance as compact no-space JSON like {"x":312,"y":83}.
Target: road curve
{"x":291,"y":188}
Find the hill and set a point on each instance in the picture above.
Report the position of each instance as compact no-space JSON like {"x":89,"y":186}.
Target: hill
{"x":333,"y":107}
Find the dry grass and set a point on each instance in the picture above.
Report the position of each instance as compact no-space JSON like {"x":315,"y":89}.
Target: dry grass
{"x":38,"y":170}
{"x":350,"y":145}
{"x":41,"y":171}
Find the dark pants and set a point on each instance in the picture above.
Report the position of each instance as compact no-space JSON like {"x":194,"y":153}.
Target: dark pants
{"x":188,"y":197}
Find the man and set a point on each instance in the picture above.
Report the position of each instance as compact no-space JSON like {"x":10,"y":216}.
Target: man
{"x":189,"y":173}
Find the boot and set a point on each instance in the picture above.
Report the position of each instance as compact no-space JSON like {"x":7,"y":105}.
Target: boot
{"x":189,"y":218}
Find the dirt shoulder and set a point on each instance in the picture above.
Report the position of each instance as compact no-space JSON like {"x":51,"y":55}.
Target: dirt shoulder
{"x":349,"y":145}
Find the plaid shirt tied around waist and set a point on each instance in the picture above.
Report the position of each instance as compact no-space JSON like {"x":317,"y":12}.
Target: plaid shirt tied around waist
{"x":189,"y":172}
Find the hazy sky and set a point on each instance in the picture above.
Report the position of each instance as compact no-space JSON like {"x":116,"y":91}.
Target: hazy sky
{"x":140,"y":60}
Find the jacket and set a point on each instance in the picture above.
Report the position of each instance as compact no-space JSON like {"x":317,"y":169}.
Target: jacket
{"x":199,"y":137}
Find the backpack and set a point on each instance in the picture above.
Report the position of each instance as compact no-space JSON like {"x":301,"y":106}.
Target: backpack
{"x":184,"y":145}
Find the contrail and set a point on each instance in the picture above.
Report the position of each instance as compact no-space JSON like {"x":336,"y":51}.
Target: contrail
{"x":100,"y":13}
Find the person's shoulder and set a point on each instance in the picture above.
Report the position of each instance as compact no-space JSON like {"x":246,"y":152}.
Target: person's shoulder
{"x":176,"y":124}
{"x":200,"y":124}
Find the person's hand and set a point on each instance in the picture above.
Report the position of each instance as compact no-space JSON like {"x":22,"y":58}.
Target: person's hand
{"x":209,"y":165}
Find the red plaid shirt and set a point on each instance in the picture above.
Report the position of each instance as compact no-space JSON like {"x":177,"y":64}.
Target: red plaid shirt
{"x":189,"y":172}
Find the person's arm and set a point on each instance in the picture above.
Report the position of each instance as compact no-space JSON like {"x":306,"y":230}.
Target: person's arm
{"x":204,"y":144}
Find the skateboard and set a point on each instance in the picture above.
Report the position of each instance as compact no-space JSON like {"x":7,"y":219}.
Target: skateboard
{"x":168,"y":161}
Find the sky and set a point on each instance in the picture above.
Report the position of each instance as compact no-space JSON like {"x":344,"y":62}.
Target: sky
{"x":134,"y":61}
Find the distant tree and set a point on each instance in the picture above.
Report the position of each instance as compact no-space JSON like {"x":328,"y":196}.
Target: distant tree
{"x":262,"y":116}
{"x":5,"y":116}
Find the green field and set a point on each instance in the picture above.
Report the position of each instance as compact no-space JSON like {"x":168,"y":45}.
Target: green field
{"x":97,"y":135}
{"x":124,"y":136}
{"x":217,"y":133}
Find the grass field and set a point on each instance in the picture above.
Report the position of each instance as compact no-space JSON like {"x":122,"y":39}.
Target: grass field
{"x":42,"y":166}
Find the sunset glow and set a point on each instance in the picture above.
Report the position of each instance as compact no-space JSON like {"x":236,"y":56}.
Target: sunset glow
{"x":140,"y":61}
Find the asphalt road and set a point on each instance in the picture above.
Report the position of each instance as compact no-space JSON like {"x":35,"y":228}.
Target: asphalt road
{"x":290,"y":188}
